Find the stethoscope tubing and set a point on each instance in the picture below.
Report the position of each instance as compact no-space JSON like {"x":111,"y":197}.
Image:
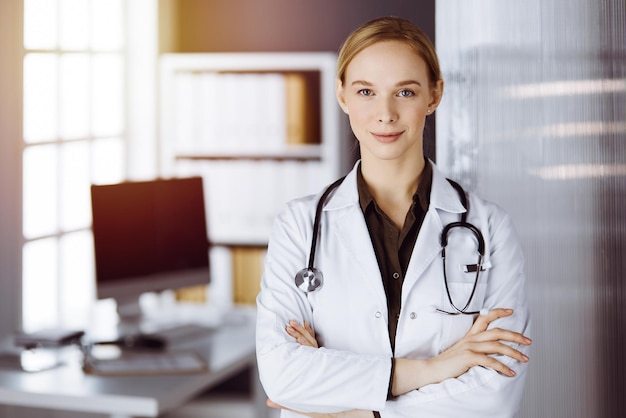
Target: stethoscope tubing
{"x":318,"y":219}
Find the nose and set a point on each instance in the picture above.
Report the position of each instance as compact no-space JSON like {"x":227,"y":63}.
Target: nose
{"x":387,"y":111}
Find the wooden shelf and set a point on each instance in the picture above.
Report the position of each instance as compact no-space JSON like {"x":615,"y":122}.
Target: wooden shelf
{"x":240,"y":244}
{"x":294,"y":153}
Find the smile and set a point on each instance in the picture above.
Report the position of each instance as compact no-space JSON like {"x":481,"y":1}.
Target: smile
{"x":386,"y":136}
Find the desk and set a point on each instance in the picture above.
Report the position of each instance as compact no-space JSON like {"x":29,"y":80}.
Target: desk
{"x":228,"y":351}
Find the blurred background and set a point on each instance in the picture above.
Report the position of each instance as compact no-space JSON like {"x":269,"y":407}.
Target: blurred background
{"x":533,"y":118}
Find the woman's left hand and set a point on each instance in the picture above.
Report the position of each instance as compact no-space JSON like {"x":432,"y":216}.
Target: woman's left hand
{"x":303,"y":334}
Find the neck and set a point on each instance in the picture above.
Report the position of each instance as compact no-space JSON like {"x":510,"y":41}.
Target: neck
{"x":393,"y":184}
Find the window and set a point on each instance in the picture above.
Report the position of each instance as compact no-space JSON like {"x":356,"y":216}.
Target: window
{"x":74,"y":135}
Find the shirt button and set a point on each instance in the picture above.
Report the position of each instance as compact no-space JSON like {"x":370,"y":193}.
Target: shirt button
{"x":396,"y":275}
{"x":413,"y":315}
{"x":378,"y":314}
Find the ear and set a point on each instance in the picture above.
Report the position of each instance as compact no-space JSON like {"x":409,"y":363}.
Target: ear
{"x":436,"y":93}
{"x":340,"y":94}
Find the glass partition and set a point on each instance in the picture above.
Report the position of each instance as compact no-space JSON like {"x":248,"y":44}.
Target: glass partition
{"x":534,"y":118}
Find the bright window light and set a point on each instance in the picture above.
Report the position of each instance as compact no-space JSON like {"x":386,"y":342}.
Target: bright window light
{"x":40,"y":191}
{"x":75,"y":203}
{"x":74,"y":31}
{"x":40,"y":97}
{"x":74,"y":135}
{"x":108,"y":161}
{"x":108,"y":94}
{"x":40,"y":277}
{"x":107,"y":29}
{"x":74,"y":96}
{"x":40,"y":24}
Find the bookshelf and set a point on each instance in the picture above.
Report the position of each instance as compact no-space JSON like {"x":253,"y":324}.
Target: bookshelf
{"x":261,"y":129}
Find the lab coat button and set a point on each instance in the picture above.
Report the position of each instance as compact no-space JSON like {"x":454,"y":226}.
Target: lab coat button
{"x":413,"y":315}
{"x":378,"y":314}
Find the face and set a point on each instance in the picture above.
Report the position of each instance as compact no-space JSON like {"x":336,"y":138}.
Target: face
{"x":387,"y":95}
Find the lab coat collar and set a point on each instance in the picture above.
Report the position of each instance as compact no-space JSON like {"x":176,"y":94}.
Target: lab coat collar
{"x":443,"y":196}
{"x":347,"y":194}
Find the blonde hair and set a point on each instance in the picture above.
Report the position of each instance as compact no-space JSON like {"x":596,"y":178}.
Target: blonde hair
{"x":389,"y":29}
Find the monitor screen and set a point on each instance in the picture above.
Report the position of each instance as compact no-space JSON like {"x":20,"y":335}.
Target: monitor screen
{"x":149,"y":236}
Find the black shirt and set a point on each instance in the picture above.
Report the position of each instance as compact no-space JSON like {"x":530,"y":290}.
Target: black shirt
{"x":394,"y":247}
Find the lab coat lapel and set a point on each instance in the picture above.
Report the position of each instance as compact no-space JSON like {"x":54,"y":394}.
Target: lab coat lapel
{"x":444,"y":208}
{"x":352,"y":232}
{"x":427,"y":248}
{"x":349,"y":227}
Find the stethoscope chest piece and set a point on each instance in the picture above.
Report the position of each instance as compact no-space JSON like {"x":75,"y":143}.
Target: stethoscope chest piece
{"x":309,"y":279}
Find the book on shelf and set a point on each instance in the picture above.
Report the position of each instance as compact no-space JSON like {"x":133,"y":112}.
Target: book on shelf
{"x":247,"y":269}
{"x":244,"y":111}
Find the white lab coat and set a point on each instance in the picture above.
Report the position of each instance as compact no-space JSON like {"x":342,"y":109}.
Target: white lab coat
{"x":352,"y":368}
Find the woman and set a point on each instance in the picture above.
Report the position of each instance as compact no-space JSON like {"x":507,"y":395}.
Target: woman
{"x":374,"y":339}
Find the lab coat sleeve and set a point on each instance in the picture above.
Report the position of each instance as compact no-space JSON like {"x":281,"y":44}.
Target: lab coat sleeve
{"x":299,"y":377}
{"x":482,"y":392}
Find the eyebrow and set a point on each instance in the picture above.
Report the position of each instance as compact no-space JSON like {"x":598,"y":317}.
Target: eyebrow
{"x":399,"y":84}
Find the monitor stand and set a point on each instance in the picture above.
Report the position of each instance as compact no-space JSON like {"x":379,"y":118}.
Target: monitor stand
{"x":158,"y":314}
{"x":130,"y":315}
{"x":129,"y":310}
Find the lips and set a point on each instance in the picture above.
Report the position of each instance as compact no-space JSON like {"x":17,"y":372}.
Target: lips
{"x":386,"y":137}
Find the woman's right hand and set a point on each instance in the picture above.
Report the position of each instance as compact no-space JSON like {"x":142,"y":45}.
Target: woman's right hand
{"x":474,"y":349}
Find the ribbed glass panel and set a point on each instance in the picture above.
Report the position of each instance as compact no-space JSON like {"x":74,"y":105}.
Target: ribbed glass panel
{"x":534,"y":118}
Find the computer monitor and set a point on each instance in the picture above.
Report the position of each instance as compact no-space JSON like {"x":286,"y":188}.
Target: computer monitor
{"x":149,"y":236}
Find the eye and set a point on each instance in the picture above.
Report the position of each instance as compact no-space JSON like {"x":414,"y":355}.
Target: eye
{"x":364,"y":92}
{"x":406,"y":93}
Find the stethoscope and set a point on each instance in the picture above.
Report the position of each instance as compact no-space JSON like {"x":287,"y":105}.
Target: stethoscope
{"x":311,"y":279}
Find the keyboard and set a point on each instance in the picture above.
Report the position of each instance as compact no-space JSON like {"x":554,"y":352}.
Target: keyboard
{"x":183,"y":333}
{"x":151,"y":363}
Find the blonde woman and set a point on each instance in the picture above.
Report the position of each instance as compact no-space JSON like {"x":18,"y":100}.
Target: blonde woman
{"x":393,"y":328}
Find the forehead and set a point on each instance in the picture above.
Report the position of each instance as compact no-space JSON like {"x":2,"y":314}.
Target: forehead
{"x":387,"y":61}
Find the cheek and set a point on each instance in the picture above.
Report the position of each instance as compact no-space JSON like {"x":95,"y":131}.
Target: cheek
{"x":416,"y":115}
{"x":359,"y":113}
{"x":356,"y":118}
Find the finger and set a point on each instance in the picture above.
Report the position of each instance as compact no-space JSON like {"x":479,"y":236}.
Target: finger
{"x":272,"y":404}
{"x":301,"y":335}
{"x":491,"y":363}
{"x":306,"y":332}
{"x":295,"y":334}
{"x":495,"y":347}
{"x":499,"y":334}
{"x":482,"y":321}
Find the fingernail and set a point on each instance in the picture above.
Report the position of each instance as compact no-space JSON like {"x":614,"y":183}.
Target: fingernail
{"x":512,"y":372}
{"x":525,"y":357}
